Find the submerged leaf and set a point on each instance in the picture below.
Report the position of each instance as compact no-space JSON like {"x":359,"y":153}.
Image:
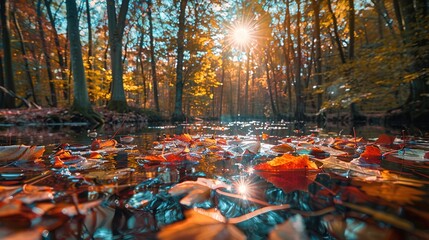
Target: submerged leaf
{"x":201,"y":226}
{"x":292,"y":229}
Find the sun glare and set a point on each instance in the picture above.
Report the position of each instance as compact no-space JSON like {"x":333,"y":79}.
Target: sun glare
{"x":244,"y":187}
{"x":241,"y":34}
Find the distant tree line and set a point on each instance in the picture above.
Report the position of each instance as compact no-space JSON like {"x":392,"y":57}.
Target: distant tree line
{"x":181,"y":58}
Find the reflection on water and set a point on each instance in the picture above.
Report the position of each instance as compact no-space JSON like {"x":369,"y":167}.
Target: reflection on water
{"x":145,"y":135}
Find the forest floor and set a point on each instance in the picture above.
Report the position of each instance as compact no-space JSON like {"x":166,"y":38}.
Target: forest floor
{"x":58,"y":116}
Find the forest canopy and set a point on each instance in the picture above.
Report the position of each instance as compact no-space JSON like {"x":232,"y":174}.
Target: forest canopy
{"x":286,"y":59}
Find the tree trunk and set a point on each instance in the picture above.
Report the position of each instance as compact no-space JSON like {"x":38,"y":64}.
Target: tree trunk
{"x":300,"y":105}
{"x":81,"y":101}
{"x":9,"y":84}
{"x":398,"y":15}
{"x":318,"y":64}
{"x":153,"y":60}
{"x":289,"y":56}
{"x":90,"y":53}
{"x":61,"y":61}
{"x":140,"y":53}
{"x":222,"y":81}
{"x":53,"y":99}
{"x":270,"y":91}
{"x":246,"y":86}
{"x":24,"y":55}
{"x":356,"y":116}
{"x":178,"y":111}
{"x":238,"y":89}
{"x":415,"y":20}
{"x":116,"y":26}
{"x":2,"y":104}
{"x":337,"y":36}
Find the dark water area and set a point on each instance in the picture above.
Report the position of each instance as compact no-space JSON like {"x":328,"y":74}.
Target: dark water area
{"x":144,"y":135}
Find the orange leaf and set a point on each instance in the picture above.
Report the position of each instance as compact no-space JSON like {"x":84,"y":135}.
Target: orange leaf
{"x":372,"y":154}
{"x":283,"y":148}
{"x":385,"y":139}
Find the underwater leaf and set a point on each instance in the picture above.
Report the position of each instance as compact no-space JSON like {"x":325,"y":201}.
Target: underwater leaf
{"x":292,"y":229}
{"x":201,"y":226}
{"x":392,"y":192}
{"x":351,"y":228}
{"x":196,"y":191}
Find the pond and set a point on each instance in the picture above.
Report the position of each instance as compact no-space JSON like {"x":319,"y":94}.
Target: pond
{"x":233,"y":180}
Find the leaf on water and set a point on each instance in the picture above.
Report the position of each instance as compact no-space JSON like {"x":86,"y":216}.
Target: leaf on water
{"x":283,"y":148}
{"x":292,"y":229}
{"x":20,"y":152}
{"x":184,"y":138}
{"x":287,"y":162}
{"x":371,"y":155}
{"x":201,"y":226}
{"x":385,"y":139}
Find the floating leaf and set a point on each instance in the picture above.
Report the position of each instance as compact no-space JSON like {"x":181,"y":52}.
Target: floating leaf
{"x":287,"y":162}
{"x":283,"y":148}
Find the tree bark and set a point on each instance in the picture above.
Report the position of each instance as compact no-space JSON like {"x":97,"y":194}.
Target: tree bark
{"x":81,"y":101}
{"x":178,"y":111}
{"x":9,"y":84}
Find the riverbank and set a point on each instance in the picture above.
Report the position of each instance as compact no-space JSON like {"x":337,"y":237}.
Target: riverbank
{"x":62,"y":116}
